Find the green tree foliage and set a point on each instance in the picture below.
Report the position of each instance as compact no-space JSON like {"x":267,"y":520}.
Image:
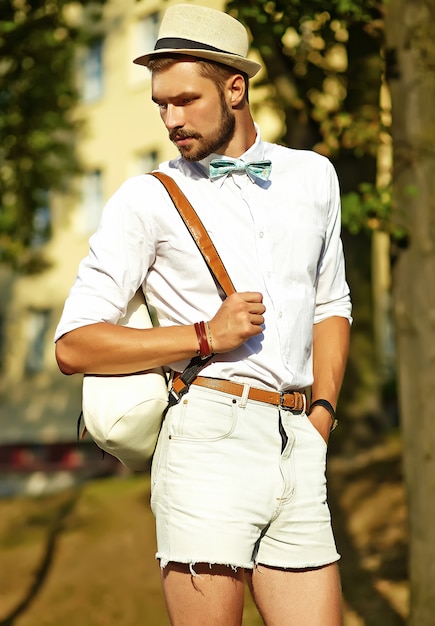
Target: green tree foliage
{"x":38,"y":44}
{"x":324,"y":65}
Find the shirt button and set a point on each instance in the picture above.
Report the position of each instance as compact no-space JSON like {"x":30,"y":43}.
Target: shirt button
{"x":261,"y":234}
{"x":280,"y":314}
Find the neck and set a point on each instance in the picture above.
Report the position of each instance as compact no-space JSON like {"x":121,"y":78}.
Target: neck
{"x":244,"y":135}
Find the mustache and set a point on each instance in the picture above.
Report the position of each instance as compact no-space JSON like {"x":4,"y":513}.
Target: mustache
{"x":176,"y":134}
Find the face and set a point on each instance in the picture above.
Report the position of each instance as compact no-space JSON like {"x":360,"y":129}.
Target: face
{"x":194,"y":110}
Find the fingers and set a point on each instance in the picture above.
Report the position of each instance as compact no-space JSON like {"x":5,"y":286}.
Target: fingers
{"x":250,"y":296}
{"x":240,"y":317}
{"x":321,"y":420}
{"x":254,"y":307}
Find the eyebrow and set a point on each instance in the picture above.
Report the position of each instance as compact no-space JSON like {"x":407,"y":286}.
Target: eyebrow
{"x":183,"y":94}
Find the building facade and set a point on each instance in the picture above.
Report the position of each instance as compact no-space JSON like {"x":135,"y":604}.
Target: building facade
{"x":122,"y":136}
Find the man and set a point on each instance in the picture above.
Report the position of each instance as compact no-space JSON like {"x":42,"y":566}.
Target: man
{"x":238,"y":481}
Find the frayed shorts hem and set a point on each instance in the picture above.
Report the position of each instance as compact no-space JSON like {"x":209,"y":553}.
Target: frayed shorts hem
{"x":251,"y":565}
{"x":192,"y":562}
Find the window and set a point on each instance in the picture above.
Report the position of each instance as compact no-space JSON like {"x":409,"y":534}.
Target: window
{"x":92,"y":88}
{"x":144,"y":37}
{"x":41,"y":223}
{"x":147,"y":161}
{"x":36,"y":333}
{"x":147,"y":32}
{"x":92,"y":200}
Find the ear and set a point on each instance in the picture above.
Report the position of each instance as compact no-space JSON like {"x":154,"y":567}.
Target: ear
{"x":236,"y":89}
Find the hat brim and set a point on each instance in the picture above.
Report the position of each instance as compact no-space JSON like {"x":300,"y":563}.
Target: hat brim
{"x":232,"y":60}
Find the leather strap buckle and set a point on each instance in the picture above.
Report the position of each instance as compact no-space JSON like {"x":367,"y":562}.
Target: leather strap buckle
{"x":299,"y":404}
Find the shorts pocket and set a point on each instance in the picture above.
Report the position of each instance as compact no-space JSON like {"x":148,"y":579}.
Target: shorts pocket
{"x":160,"y":453}
{"x":310,"y":426}
{"x":203,"y":416}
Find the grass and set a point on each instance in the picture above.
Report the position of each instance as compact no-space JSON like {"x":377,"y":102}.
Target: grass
{"x":85,"y":557}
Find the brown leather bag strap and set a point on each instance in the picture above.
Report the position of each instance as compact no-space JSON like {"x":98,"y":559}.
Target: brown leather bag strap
{"x":198,"y":232}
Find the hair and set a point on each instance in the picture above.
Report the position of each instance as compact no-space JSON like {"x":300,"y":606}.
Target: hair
{"x":215,"y":71}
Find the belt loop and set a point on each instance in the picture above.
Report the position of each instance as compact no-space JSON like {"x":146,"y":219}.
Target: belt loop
{"x":304,"y":397}
{"x":245,"y":395}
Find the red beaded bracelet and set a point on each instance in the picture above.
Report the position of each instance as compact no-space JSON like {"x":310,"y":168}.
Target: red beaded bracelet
{"x":204,"y":347}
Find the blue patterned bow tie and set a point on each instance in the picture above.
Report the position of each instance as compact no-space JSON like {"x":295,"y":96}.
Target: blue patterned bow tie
{"x":255,"y":169}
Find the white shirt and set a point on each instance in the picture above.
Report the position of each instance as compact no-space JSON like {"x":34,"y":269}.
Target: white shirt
{"x":280,"y":237}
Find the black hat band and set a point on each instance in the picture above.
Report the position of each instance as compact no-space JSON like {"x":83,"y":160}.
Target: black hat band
{"x":187,"y":44}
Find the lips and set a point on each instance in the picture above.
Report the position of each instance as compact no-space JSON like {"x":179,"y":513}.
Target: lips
{"x":181,"y":138}
{"x":183,"y":141}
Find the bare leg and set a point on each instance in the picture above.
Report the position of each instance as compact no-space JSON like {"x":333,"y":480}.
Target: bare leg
{"x":310,"y":597}
{"x":212,"y":597}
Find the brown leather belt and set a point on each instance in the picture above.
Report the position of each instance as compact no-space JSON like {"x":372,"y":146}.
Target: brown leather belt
{"x":291,"y":400}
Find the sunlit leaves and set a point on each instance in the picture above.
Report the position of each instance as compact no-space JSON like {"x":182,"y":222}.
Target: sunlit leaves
{"x":324,"y":64}
{"x":38,"y":43}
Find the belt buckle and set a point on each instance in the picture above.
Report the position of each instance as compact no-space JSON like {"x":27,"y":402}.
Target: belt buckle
{"x":281,"y":401}
{"x":294,"y":409}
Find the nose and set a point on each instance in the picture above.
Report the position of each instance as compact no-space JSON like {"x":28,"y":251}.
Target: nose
{"x":173,"y":117}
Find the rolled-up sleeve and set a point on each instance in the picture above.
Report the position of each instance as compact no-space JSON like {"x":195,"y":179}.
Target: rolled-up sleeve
{"x":333,"y":294}
{"x":119,"y":256}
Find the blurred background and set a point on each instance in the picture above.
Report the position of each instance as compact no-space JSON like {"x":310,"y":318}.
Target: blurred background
{"x":351,"y":79}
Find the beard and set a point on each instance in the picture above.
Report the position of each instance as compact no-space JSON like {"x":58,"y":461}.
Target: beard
{"x":206,"y":145}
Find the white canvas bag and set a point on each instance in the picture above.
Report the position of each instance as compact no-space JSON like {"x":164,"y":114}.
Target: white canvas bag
{"x":123,"y":414}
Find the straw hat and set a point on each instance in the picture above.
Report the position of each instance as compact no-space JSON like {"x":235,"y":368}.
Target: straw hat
{"x":193,"y":30}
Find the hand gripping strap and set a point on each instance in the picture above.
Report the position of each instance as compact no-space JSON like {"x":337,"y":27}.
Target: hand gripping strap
{"x":217,"y":268}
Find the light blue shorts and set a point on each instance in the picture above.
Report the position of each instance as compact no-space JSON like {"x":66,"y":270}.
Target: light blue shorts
{"x":224,"y":491}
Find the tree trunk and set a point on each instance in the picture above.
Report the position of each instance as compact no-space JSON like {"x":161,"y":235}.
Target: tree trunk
{"x":410,"y":54}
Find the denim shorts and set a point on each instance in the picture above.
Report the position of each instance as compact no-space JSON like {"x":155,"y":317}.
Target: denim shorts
{"x":239,"y":483}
